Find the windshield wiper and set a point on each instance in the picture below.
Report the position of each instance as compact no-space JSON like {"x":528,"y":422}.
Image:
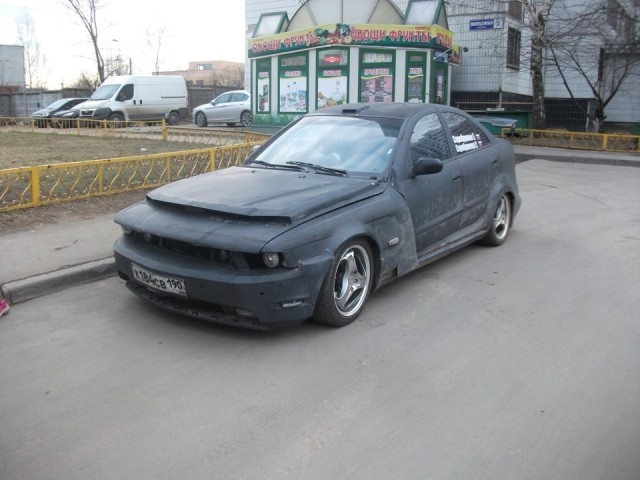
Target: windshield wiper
{"x":319,"y":168}
{"x":275,"y":165}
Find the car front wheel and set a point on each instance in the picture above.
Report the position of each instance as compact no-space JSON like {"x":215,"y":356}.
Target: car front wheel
{"x":201,"y":119}
{"x":500,"y":223}
{"x":347,"y":285}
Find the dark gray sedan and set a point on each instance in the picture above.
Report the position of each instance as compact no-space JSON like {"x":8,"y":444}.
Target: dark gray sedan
{"x":329,"y":209}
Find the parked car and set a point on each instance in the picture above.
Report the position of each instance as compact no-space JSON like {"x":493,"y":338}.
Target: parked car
{"x":66,"y":118}
{"x":42,"y":117}
{"x":332,"y":207}
{"x":230,"y":108}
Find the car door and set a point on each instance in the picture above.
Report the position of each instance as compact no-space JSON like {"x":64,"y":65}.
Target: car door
{"x":219,"y":109}
{"x":479,"y":162}
{"x":238,"y":105}
{"x":435,"y":200}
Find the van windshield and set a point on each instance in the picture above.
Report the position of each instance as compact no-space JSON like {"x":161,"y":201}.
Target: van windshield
{"x":104,"y":92}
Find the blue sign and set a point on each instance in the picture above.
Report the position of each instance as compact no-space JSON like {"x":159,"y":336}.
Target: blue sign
{"x":486,"y":24}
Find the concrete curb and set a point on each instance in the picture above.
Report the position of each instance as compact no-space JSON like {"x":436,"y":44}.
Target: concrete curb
{"x":39,"y":285}
{"x":573,"y":158}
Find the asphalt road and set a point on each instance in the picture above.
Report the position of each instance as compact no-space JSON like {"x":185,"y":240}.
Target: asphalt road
{"x":517,"y":362}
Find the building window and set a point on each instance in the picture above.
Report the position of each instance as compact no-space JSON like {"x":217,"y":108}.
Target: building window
{"x":199,"y":82}
{"x":515,"y":10}
{"x":204,"y":66}
{"x":513,"y":48}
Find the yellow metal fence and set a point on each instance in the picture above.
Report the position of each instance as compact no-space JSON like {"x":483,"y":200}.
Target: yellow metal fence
{"x":607,"y":142}
{"x":26,"y":187}
{"x":150,"y":129}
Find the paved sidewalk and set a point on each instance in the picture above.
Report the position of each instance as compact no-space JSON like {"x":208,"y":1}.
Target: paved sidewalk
{"x":52,"y":257}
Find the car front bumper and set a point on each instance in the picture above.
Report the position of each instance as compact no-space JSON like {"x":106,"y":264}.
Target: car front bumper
{"x":258,"y":299}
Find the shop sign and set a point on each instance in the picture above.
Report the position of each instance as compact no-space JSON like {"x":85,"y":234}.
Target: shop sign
{"x":421,"y":36}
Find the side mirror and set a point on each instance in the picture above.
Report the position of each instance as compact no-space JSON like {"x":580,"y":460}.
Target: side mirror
{"x":427,"y":166}
{"x":213,"y":102}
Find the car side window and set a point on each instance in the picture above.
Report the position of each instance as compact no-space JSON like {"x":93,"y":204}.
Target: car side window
{"x":126,"y":93}
{"x":224,"y":98}
{"x":429,"y":139}
{"x":466,"y":135}
{"x":238,"y":97}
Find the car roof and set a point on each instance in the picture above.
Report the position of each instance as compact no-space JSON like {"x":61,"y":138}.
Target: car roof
{"x":387,"y":110}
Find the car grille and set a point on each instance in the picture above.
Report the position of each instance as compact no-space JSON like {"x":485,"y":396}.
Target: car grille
{"x":216,"y":256}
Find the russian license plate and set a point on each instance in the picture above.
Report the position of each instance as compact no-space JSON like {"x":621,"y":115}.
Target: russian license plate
{"x":159,"y":282}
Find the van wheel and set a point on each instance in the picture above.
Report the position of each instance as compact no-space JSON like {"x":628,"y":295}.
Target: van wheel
{"x":117,"y":119}
{"x":201,"y":119}
{"x":174,"y":118}
{"x":245,"y":118}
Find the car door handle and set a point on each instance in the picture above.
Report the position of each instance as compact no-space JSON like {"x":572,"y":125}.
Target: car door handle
{"x":456,"y":178}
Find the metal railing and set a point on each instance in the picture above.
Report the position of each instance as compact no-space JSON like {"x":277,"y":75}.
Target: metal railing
{"x":132,"y":129}
{"x":25,"y":187}
{"x":606,"y":142}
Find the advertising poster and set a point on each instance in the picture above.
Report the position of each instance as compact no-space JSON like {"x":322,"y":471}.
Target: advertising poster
{"x":263,"y":92}
{"x":376,"y":85}
{"x":332,"y":88}
{"x":415,"y":85}
{"x":293,"y":92}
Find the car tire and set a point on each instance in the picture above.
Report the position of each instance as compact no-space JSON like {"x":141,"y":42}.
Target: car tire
{"x":500,"y":223}
{"x":201,"y":119}
{"x":173,"y":118}
{"x":117,"y":119}
{"x":346,"y":287}
{"x":245,"y":118}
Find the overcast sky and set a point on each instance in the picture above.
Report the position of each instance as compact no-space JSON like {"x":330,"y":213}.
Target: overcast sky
{"x":194,"y":30}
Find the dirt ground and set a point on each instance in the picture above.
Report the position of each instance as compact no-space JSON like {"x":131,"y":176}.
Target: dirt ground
{"x":30,"y":218}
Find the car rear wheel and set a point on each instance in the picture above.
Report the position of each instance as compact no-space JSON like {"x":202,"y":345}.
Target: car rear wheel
{"x":500,"y":223}
{"x":201,"y":119}
{"x":347,"y":285}
{"x":245,"y":118}
{"x":173,"y":118}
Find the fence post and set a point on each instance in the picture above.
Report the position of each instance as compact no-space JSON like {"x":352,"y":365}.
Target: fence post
{"x":35,"y":186}
{"x":164,"y":131}
{"x":212,"y":159}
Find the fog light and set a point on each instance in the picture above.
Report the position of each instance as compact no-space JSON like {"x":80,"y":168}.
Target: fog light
{"x":270,"y":259}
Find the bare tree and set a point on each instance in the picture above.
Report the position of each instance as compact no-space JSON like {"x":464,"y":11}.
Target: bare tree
{"x":154,"y":40}
{"x":537,"y":16}
{"x":87,"y":12}
{"x":86,"y":80}
{"x":597,"y":43}
{"x":35,"y":60}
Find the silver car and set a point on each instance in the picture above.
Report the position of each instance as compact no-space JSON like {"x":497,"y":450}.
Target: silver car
{"x":230,"y":108}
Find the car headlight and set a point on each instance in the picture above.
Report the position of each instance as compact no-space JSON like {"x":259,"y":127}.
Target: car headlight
{"x":270,"y":259}
{"x":126,"y":230}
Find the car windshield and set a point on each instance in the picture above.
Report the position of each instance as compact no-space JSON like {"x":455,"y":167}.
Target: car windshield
{"x":352,"y":144}
{"x":104,"y":92}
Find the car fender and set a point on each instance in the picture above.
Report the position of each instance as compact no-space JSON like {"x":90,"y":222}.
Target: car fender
{"x":500,"y":187}
{"x":384,"y":220}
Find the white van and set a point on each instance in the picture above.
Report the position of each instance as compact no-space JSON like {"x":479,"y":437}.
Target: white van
{"x":133,"y":97}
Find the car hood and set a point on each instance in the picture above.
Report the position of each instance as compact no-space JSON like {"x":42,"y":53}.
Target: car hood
{"x":242,"y":208}
{"x":43,"y":112}
{"x":257,"y":193}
